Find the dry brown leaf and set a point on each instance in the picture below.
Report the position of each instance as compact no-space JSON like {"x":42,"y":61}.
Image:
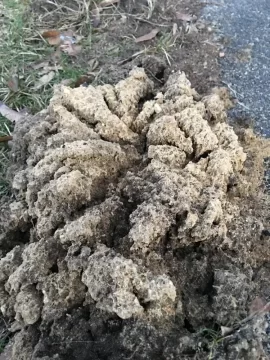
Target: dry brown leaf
{"x":185,"y":17}
{"x":83,"y":80}
{"x":256,"y":305}
{"x":48,"y":68}
{"x":69,"y":33}
{"x":52,"y":36}
{"x":153,"y":33}
{"x":66,"y":82}
{"x":93,"y":64}
{"x":191,"y":29}
{"x":50,"y":33}
{"x":44,"y":80}
{"x":105,"y":3}
{"x":10,"y":114}
{"x":71,"y":49}
{"x":226,"y":330}
{"x":13,"y":83}
{"x":54,"y":41}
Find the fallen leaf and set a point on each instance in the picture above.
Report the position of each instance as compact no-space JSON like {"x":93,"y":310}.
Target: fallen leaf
{"x":191,"y":29}
{"x":50,"y":33}
{"x":105,"y":3}
{"x":79,"y":38}
{"x":185,"y":17}
{"x":95,"y":17}
{"x":66,"y":82}
{"x":153,"y":33}
{"x":225,"y":330}
{"x":48,"y":68}
{"x":256,"y":305}
{"x":44,"y":80}
{"x":54,"y":41}
{"x":93,"y":64}
{"x":69,"y":33}
{"x":13,"y":83}
{"x":83,"y":80}
{"x":52,"y":36}
{"x":71,"y":49}
{"x":10,"y":114}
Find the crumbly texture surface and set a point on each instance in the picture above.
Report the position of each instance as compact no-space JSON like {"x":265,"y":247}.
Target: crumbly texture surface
{"x":132,"y":225}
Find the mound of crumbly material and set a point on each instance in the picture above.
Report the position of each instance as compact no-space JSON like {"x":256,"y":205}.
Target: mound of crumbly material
{"x":106,"y":182}
{"x":117,"y":285}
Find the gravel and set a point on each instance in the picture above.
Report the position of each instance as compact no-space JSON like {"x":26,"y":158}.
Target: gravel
{"x":244,"y":28}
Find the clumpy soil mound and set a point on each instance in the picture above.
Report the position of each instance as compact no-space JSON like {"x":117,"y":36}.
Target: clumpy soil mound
{"x":134,"y":227}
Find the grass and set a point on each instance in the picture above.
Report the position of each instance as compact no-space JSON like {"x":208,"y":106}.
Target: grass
{"x":4,"y":335}
{"x":16,"y":53}
{"x":21,"y":47}
{"x":3,"y":343}
{"x":213,"y":338}
{"x":5,"y":128}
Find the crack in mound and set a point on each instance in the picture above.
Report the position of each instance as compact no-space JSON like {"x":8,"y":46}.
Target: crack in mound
{"x":127,"y":206}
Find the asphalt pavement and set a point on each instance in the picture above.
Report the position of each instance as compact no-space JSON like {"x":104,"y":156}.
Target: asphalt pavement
{"x":243,"y":27}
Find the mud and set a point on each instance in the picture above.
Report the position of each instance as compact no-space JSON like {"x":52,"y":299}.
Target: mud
{"x":135,"y":226}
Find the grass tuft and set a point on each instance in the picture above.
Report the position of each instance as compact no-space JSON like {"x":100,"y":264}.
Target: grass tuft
{"x":5,"y":129}
{"x":21,"y":47}
{"x":4,"y":335}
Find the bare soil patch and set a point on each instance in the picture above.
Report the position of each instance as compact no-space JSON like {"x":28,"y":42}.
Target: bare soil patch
{"x":179,"y":45}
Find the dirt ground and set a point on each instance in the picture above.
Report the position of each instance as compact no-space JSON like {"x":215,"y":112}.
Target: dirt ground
{"x":181,"y":45}
{"x":138,"y":223}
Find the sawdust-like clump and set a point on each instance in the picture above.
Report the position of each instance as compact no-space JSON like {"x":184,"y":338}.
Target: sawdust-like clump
{"x":125,"y":201}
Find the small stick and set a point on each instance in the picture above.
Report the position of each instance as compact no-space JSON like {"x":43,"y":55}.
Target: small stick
{"x":6,"y":138}
{"x":131,"y":57}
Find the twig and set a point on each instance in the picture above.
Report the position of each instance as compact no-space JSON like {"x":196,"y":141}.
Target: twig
{"x":259,"y":312}
{"x":148,"y":22}
{"x":263,"y":310}
{"x":6,"y":138}
{"x":131,"y":57}
{"x":232,"y":90}
{"x":168,"y":56}
{"x":158,"y":80}
{"x":243,"y":105}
